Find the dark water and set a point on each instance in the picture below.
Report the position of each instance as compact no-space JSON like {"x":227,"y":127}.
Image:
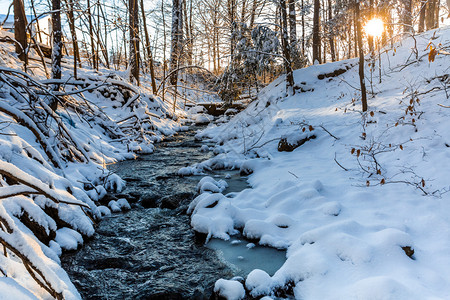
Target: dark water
{"x":152,"y":253}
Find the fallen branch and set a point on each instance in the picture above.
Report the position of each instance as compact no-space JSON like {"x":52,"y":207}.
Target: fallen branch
{"x":345,"y":169}
{"x":32,"y":270}
{"x":25,"y":121}
{"x":20,"y":176}
{"x":336,"y":138}
{"x":445,"y":106}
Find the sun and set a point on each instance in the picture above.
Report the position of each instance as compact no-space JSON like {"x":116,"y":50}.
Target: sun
{"x":374,"y":27}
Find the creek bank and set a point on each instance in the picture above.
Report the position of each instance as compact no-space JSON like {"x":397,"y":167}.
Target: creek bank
{"x":151,"y":251}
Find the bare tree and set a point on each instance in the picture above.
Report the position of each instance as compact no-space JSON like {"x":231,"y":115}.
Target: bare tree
{"x":361,"y":56}
{"x":147,"y":46}
{"x":133,"y":11}
{"x":73,"y":33}
{"x":316,"y":32}
{"x":20,"y":24}
{"x":285,"y":46}
{"x":177,"y":36}
{"x":57,"y":41}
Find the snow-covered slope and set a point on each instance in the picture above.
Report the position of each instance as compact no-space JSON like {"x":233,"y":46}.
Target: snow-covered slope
{"x":53,"y":166}
{"x":352,"y":203}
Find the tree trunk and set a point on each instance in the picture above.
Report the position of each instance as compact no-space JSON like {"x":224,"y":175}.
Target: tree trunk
{"x":147,"y":46}
{"x":20,"y":25}
{"x":316,"y":32}
{"x":331,"y":31}
{"x":361,"y":58}
{"x":324,"y":42}
{"x":407,"y":16}
{"x":303,"y":29}
{"x":177,"y":35}
{"x":370,"y":16}
{"x":134,"y":40}
{"x":423,"y":5}
{"x":430,"y":18}
{"x":56,"y":49}
{"x":294,"y":47}
{"x":285,"y":45}
{"x":57,"y":40}
{"x":91,"y":35}
{"x":436,"y":11}
{"x":231,"y":6}
{"x":73,"y":33}
{"x":253,"y":14}
{"x":243,"y":11}
{"x":37,"y":23}
{"x":103,"y":43}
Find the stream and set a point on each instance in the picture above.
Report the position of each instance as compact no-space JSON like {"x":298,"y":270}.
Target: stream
{"x":151,"y":252}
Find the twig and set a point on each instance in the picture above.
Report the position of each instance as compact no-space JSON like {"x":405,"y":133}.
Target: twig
{"x":293,"y":174}
{"x":321,"y":126}
{"x":345,"y":169}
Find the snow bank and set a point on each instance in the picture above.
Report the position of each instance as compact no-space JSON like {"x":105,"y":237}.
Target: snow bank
{"x":53,"y":165}
{"x":362,"y":209}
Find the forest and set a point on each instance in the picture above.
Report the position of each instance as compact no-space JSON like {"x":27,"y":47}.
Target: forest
{"x":224,"y":149}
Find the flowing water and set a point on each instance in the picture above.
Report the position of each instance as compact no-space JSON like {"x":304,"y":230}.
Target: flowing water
{"x":152,"y":253}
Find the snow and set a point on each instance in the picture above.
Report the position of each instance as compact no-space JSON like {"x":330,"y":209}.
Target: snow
{"x":113,"y":206}
{"x":344,"y":218}
{"x":15,"y":290}
{"x":229,"y":289}
{"x":123,"y":204}
{"x":54,"y":165}
{"x":208,"y":184}
{"x":68,"y":239}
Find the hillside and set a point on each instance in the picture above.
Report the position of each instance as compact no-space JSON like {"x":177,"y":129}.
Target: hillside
{"x":362,"y":204}
{"x":53,"y":165}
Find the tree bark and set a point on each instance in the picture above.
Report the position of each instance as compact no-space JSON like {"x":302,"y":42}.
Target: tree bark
{"x":73,"y":33}
{"x":286,"y":52}
{"x":331,"y":31}
{"x":296,"y":56}
{"x":370,"y":38}
{"x":423,"y":5}
{"x":134,"y":40}
{"x":231,"y":5}
{"x":253,"y":14}
{"x":407,"y":16}
{"x":430,"y":18}
{"x":177,"y":35}
{"x":57,"y":41}
{"x":303,"y":28}
{"x":147,"y":46}
{"x":91,"y":35}
{"x":20,"y":25}
{"x":316,"y":32}
{"x":361,"y":58}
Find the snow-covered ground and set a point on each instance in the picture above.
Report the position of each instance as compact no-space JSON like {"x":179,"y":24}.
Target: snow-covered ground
{"x":352,"y":203}
{"x":48,"y":199}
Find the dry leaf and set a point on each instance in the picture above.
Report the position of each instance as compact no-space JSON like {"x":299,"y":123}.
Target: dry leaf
{"x":432,"y":54}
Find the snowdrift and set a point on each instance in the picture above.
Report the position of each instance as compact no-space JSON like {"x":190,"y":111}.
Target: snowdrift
{"x":53,"y":166}
{"x":362,"y":208}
